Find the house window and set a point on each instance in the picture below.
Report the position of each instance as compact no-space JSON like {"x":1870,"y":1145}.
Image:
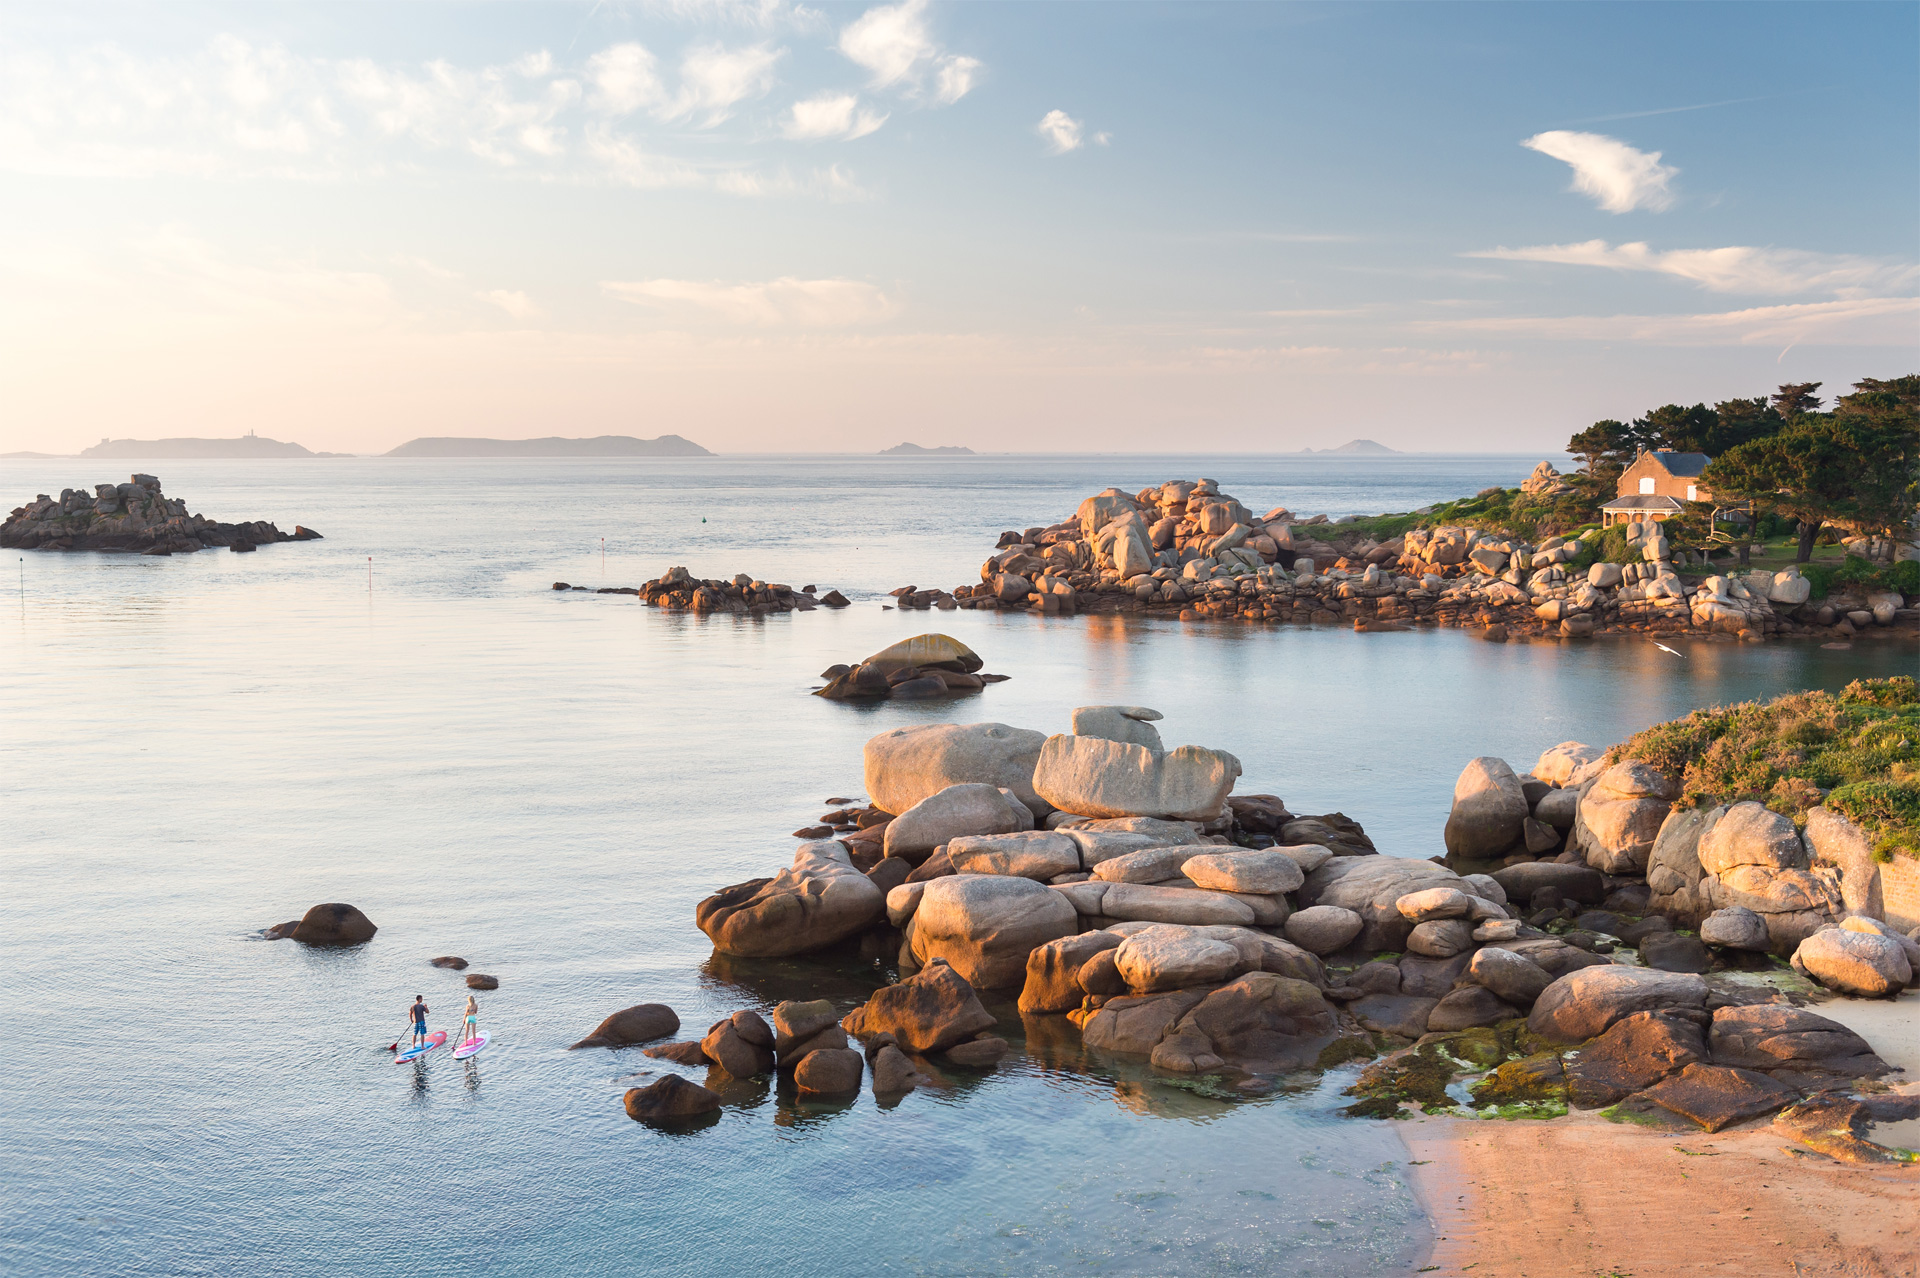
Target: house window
{"x":1646,"y":484}
{"x":1693,"y":492}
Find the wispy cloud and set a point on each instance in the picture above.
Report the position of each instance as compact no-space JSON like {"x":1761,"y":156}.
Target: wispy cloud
{"x":1877,"y":321}
{"x":784,"y":302}
{"x":514,"y":303}
{"x":830,"y":115}
{"x":237,"y":110}
{"x":1618,"y":177}
{"x":1734,"y":269}
{"x":893,"y":43}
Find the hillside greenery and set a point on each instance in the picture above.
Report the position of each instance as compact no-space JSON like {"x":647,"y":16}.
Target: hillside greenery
{"x":1857,"y":752}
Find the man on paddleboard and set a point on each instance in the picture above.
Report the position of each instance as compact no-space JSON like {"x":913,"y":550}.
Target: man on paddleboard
{"x":419,"y":1013}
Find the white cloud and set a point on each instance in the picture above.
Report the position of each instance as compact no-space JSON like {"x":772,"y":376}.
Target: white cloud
{"x":625,"y":79}
{"x":713,"y":80}
{"x":785,"y":302}
{"x":1735,"y":269}
{"x":1618,"y":177}
{"x":514,"y":303}
{"x":830,"y":115}
{"x":763,"y":14}
{"x":1879,"y":321}
{"x":1061,"y":132}
{"x":954,"y":77}
{"x":892,"y":41}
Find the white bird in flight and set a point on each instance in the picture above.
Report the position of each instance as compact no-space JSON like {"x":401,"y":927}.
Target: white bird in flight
{"x":1662,"y":647}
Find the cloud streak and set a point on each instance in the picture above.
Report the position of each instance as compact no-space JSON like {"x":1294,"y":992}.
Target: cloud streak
{"x":787,"y":302}
{"x":1878,"y":321}
{"x":1619,"y":178}
{"x":1734,"y":269}
{"x":830,"y":115}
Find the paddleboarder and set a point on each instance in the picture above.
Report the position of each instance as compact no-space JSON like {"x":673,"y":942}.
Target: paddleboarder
{"x":419,"y":1013}
{"x":473,"y":1021}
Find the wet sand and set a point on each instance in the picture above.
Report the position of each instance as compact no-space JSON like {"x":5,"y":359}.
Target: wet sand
{"x":1581,"y":1197}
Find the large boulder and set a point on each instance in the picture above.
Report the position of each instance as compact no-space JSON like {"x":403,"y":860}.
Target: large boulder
{"x":817,"y":901}
{"x":1636,"y":1052}
{"x":1715,"y":1097}
{"x":1053,"y":971}
{"x":1264,"y":871}
{"x":832,"y":1071}
{"x":1147,"y":865}
{"x":969,"y":808}
{"x":1573,"y":882}
{"x":742,"y":1045}
{"x":1568,"y":764}
{"x":985,"y":926}
{"x":1259,"y":1022}
{"x":1489,"y":810}
{"x":1585,"y":1003}
{"x":929,"y":1011}
{"x":1094,"y":777}
{"x":1141,"y":902}
{"x":1860,"y":963}
{"x":1751,"y":834}
{"x":906,"y":765}
{"x":1838,"y":843}
{"x":1772,"y":1036}
{"x":1173,"y":958}
{"x":1735,"y":928}
{"x":1674,"y":872}
{"x":1620,"y":817}
{"x":639,"y":1024}
{"x":927,"y":652}
{"x":1135,"y":1023}
{"x":1372,"y":886}
{"x":669,"y":1099}
{"x":1097,"y":846}
{"x":1324,"y":929}
{"x":334,"y":924}
{"x":1514,"y":977}
{"x":1131,"y":724}
{"x":1035,"y":854}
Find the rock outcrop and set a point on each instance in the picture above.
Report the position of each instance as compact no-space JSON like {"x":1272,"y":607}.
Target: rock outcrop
{"x":133,"y":516}
{"x":819,"y":900}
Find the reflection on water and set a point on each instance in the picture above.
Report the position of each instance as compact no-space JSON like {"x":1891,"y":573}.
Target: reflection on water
{"x":202,"y":746}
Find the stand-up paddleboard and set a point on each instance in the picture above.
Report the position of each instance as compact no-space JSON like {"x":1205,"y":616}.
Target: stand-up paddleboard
{"x":436,"y":1039}
{"x":470,"y":1047}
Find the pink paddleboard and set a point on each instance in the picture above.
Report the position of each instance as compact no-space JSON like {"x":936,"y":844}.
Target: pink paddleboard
{"x":470,"y":1047}
{"x":436,"y":1039}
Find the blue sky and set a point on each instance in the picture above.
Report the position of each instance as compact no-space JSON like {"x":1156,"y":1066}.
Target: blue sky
{"x":1029,"y":227}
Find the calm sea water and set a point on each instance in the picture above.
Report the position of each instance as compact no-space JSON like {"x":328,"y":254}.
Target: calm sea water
{"x":201,"y":746}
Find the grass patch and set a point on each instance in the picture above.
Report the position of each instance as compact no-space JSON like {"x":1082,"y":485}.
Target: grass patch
{"x":1857,"y":752}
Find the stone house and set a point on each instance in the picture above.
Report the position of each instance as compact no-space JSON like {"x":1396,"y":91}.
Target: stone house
{"x":1657,"y":487}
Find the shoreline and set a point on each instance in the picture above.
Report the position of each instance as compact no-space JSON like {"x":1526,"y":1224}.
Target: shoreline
{"x":1638,"y":1201}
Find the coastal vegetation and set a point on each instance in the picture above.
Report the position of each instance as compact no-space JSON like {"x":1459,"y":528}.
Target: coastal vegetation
{"x":1856,"y":752}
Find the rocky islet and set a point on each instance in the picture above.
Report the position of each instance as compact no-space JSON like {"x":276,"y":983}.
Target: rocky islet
{"x":134,"y":517}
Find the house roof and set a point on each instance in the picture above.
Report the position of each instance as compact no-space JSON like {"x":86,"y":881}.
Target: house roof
{"x":1683,"y":465}
{"x":1644,"y":501}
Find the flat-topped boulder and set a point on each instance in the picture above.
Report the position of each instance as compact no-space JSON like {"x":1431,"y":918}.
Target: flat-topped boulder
{"x":135,"y":516}
{"x":905,"y":765}
{"x":1098,"y":777}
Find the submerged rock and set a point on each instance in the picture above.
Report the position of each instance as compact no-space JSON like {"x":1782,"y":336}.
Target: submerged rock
{"x":333,"y":924}
{"x":668,"y":1099}
{"x":641,"y":1023}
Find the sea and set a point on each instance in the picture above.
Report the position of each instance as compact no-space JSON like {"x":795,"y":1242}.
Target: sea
{"x":407,"y":717}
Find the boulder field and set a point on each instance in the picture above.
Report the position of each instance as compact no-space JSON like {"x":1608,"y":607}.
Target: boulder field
{"x":134,"y":516}
{"x":1584,"y":941}
{"x":1185,"y":548}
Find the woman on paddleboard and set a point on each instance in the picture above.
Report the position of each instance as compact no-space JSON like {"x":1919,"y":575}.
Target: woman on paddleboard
{"x":473,"y":1021}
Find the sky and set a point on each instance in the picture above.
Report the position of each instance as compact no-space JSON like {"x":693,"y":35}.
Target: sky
{"x":770,"y":227}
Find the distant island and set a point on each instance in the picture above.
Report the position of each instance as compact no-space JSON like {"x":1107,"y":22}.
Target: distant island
{"x":920,"y":450}
{"x":551,"y":446}
{"x":248,"y":445}
{"x":1362,"y":447}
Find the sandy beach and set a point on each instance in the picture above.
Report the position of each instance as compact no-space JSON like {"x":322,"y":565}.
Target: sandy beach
{"x":1580,"y":1196}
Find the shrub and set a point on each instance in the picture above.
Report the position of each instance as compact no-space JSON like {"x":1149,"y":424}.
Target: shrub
{"x":1904,"y":577}
{"x":1822,"y":577}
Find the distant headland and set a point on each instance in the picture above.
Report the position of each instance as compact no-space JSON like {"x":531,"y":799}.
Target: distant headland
{"x":248,"y":445}
{"x":921,"y":450}
{"x":1361,"y":447}
{"x":551,"y":446}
